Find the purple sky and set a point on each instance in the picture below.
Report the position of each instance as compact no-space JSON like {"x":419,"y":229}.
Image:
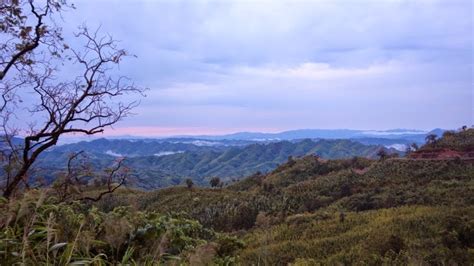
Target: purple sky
{"x":225,"y":66}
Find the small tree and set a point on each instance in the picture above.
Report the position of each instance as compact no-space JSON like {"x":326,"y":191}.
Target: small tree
{"x":74,"y":183}
{"x":291,"y":161}
{"x":342,"y":217}
{"x":382,"y":154}
{"x":215,"y":181}
{"x":408,"y":150}
{"x":431,"y":139}
{"x":189,"y":183}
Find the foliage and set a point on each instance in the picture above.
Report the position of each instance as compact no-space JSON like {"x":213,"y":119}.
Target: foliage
{"x":215,"y":181}
{"x":460,"y":141}
{"x":407,"y":235}
{"x":189,"y":183}
{"x":38,"y":230}
{"x":308,"y":211}
{"x":199,"y":163}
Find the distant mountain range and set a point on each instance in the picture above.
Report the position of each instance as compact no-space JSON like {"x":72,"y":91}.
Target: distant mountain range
{"x":164,"y":163}
{"x":168,"y":161}
{"x":384,"y":137}
{"x":323,"y":134}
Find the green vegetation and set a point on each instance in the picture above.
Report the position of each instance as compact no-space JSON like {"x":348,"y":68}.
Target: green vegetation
{"x":458,"y":141}
{"x":309,"y":185}
{"x":229,"y":163}
{"x":308,"y":211}
{"x":408,"y":235}
{"x":39,"y":230}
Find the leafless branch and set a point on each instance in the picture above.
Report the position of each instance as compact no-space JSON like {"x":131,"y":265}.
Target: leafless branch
{"x":85,"y":105}
{"x":75,"y":184}
{"x":115,"y":179}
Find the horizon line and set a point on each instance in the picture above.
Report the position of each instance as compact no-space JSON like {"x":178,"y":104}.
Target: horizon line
{"x":161,"y":132}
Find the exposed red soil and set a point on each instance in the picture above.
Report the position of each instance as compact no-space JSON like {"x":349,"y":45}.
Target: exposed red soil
{"x":442,"y":154}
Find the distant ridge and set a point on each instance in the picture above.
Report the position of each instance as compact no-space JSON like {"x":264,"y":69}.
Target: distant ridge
{"x":401,"y":135}
{"x":161,"y":164}
{"x":408,"y":134}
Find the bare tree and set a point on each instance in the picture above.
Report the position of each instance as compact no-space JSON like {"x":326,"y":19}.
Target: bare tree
{"x":62,"y":104}
{"x":75,"y":182}
{"x":26,"y":26}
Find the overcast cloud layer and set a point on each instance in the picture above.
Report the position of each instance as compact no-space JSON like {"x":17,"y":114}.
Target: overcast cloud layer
{"x":224,"y":66}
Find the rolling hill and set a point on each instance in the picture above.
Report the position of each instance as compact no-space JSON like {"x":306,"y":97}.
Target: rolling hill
{"x":167,"y":164}
{"x":307,"y":211}
{"x":311,"y":211}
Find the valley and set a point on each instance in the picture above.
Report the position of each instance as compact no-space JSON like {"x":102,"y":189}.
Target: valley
{"x":162,"y":163}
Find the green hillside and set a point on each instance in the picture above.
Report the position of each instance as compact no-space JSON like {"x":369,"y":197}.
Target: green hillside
{"x":310,"y":211}
{"x":307,"y":211}
{"x":409,"y":235}
{"x":307,"y":185}
{"x":201,"y":163}
{"x":458,"y":141}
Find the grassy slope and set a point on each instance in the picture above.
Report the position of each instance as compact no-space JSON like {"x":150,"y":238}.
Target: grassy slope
{"x":306,"y":186}
{"x":460,"y":141}
{"x":396,"y":211}
{"x":411,"y":235}
{"x":198,"y":163}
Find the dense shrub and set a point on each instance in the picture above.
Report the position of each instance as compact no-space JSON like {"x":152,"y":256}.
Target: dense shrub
{"x":37,"y":230}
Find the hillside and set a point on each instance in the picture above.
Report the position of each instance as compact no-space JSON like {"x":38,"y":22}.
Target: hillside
{"x":409,"y":235}
{"x":145,"y":147}
{"x":452,"y":145}
{"x":310,"y":211}
{"x":200,"y":162}
{"x":309,"y":184}
{"x":307,"y":211}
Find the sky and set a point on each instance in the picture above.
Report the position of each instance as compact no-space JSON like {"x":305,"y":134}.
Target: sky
{"x":215,"y":67}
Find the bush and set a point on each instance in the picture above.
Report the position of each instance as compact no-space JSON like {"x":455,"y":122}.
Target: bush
{"x":38,"y":230}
